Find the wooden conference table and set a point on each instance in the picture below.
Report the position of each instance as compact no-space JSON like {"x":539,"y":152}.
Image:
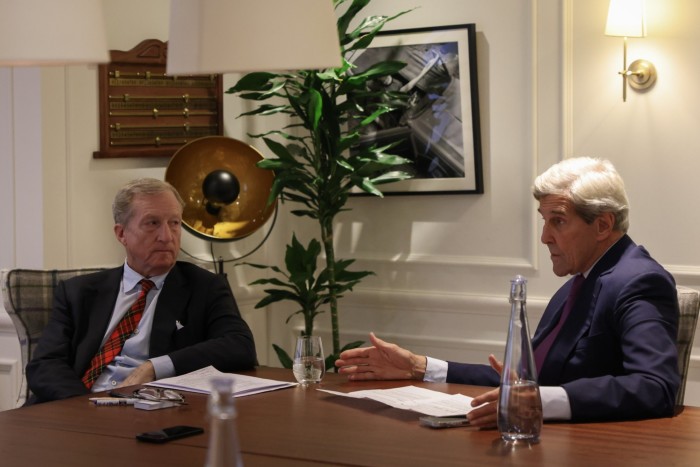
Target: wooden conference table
{"x":301,"y":426}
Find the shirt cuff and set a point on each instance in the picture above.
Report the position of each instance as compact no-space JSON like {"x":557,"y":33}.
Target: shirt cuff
{"x":435,"y":370}
{"x":163,"y":367}
{"x":555,"y":400}
{"x":555,"y":403}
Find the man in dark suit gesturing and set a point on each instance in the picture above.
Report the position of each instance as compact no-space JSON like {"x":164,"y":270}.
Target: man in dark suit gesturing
{"x":153,"y":317}
{"x":614,"y":355}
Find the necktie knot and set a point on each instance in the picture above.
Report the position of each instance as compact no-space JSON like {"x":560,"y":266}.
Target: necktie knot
{"x":146,"y":285}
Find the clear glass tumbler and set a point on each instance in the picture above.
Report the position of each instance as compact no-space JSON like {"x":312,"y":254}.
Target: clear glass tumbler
{"x":309,"y":361}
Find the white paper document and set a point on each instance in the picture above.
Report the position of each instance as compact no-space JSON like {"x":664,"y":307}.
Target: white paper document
{"x":425,"y":401}
{"x":200,"y":381}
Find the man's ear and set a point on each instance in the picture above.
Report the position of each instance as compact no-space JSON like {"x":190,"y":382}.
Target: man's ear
{"x":119,"y":233}
{"x":605,"y":224}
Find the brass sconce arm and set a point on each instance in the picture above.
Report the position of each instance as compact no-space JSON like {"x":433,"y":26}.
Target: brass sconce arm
{"x":641,"y":74}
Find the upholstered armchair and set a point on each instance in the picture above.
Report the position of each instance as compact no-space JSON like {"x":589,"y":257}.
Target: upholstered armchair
{"x":28,"y":299}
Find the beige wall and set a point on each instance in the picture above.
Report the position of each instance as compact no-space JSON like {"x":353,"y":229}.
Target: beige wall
{"x":653,"y":137}
{"x":548,"y":88}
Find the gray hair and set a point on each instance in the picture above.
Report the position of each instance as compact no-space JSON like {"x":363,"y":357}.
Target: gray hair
{"x":121,"y":207}
{"x":592,"y":185}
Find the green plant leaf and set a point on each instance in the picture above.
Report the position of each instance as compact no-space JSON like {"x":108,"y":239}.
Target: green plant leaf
{"x":374,"y":24}
{"x":258,"y":81}
{"x":305,"y":213}
{"x":272,"y":91}
{"x":328,"y":75}
{"x":366,"y":185}
{"x":279,"y":133}
{"x":365,"y":25}
{"x":352,"y":345}
{"x":280,"y":151}
{"x":267,"y":109}
{"x":283,"y":357}
{"x":276,"y":295}
{"x":345,"y":20}
{"x":320,"y":161}
{"x":377,"y":70}
{"x":376,"y":114}
{"x":390,"y":177}
{"x":271,"y":281}
{"x":330,"y":362}
{"x":315,"y":108}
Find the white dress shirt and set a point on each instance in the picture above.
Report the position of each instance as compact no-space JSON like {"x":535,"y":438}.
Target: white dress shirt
{"x":136,"y":347}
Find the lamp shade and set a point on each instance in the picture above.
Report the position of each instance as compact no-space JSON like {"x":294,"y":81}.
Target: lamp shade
{"x":626,"y":19}
{"x":52,"y":32}
{"x":223,"y":36}
{"x":224,"y":191}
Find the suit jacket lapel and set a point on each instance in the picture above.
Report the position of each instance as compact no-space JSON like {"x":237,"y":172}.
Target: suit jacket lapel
{"x":98,"y":299}
{"x":169,"y":309}
{"x":579,"y":321}
{"x":575,"y":328}
{"x":551,"y":314}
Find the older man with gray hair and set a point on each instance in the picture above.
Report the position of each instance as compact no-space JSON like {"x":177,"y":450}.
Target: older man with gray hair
{"x":613,"y":356}
{"x":151,"y":318}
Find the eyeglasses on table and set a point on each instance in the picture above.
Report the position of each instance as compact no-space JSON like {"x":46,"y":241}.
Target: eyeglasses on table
{"x":152,"y":394}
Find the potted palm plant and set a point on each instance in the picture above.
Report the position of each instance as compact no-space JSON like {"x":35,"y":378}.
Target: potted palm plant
{"x":319,"y":162}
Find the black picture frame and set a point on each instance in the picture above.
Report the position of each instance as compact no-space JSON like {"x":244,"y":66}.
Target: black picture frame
{"x":440,"y":130}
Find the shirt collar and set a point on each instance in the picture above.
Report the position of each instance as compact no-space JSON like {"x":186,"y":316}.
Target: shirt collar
{"x":131,"y":279}
{"x":586,"y":273}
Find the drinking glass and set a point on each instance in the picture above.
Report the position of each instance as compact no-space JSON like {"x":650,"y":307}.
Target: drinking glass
{"x":309,"y":361}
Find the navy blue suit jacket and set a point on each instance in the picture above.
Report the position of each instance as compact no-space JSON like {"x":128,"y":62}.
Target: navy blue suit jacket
{"x":616,"y":355}
{"x":212,"y":331}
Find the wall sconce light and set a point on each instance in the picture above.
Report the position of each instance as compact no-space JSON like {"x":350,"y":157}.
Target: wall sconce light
{"x":626,"y":19}
{"x":52,"y":32}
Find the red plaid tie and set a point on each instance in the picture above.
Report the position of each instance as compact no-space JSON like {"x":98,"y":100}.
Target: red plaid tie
{"x":121,"y":333}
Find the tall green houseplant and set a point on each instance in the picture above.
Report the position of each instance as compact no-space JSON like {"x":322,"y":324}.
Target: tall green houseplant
{"x":315,"y":166}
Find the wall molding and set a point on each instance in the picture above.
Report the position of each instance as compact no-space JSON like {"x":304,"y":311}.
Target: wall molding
{"x":567,"y":71}
{"x":6,"y":324}
{"x":684,"y":273}
{"x":438,"y":342}
{"x":441,"y":260}
{"x":446,"y":302}
{"x":10,"y":383}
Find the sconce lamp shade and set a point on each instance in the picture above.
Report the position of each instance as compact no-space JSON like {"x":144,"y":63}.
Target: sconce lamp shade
{"x":52,"y":32}
{"x":626,"y":19}
{"x":225,"y":36}
{"x":225,"y":192}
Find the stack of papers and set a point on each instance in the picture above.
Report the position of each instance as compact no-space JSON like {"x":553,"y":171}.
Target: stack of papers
{"x":200,"y":381}
{"x":425,"y":401}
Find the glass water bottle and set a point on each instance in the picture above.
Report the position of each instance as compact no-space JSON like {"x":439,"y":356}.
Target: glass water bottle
{"x":519,"y":404}
{"x":223,"y":450}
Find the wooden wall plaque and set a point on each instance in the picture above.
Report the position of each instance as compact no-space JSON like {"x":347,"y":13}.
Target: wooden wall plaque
{"x":146,"y":113}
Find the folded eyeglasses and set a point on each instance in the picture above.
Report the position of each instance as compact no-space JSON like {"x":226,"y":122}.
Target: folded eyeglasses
{"x":153,"y":394}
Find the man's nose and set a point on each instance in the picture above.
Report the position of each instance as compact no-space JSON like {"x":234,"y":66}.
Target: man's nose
{"x":164,"y":233}
{"x":546,"y":237}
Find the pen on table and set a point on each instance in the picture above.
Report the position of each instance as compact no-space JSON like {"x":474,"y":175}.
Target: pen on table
{"x":113,"y":401}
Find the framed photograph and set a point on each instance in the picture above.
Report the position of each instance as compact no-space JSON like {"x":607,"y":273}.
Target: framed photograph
{"x":439,"y":129}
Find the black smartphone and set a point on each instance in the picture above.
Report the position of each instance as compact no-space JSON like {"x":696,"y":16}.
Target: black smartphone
{"x":169,"y":434}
